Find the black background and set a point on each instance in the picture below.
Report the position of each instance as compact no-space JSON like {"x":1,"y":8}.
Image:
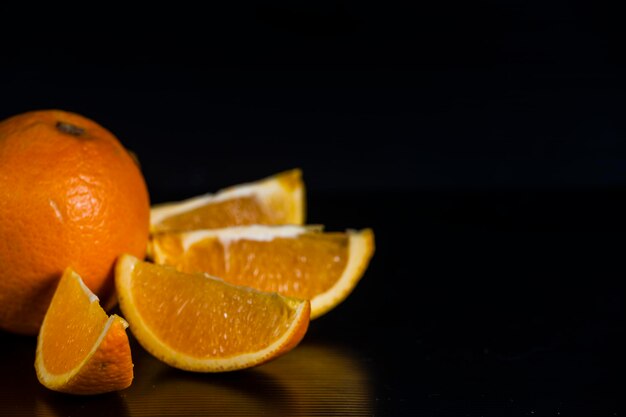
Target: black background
{"x":484,"y":142}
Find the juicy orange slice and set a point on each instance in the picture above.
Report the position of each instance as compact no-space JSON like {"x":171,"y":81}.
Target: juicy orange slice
{"x":200,"y":323}
{"x":275,"y":200}
{"x":295,"y":261}
{"x":80,"y":350}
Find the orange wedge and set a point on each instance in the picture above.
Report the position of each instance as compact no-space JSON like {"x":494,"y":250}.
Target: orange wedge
{"x":200,"y":323}
{"x":80,"y":350}
{"x":301,"y":262}
{"x":278,"y":199}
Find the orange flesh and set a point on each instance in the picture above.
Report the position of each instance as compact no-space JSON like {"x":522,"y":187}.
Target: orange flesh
{"x":301,"y":267}
{"x":234,"y":212}
{"x":225,"y":320}
{"x":72,"y":327}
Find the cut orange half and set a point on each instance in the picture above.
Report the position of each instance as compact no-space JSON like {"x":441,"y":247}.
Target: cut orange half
{"x":80,"y":350}
{"x":200,"y":323}
{"x":295,"y":261}
{"x":278,"y":199}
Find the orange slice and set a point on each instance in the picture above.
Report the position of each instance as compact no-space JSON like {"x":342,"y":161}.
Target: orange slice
{"x":278,"y":199}
{"x":200,"y":323}
{"x":295,"y":261}
{"x":80,"y":350}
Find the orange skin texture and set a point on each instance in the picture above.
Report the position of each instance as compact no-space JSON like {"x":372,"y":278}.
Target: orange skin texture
{"x":66,"y":200}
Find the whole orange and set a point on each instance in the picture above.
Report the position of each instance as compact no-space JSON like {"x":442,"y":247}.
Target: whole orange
{"x":70,"y":196}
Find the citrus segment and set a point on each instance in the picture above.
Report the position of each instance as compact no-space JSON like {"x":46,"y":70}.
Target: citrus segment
{"x":80,"y":350}
{"x":295,"y":261}
{"x":278,"y":199}
{"x":200,"y":323}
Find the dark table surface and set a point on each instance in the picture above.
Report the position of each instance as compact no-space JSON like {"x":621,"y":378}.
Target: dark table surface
{"x":475,"y":304}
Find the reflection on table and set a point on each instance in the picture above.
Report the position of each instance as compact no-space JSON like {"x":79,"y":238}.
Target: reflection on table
{"x":313,"y":379}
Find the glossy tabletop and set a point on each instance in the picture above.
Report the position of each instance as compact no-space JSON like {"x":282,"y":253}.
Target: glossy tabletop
{"x":472,"y":306}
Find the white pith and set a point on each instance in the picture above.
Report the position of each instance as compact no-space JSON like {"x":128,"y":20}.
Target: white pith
{"x":232,"y":234}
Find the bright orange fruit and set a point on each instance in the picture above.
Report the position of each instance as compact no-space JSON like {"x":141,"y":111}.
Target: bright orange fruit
{"x":295,"y":261}
{"x":278,"y":199}
{"x":200,"y":323}
{"x":70,"y":195}
{"x":80,"y":350}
